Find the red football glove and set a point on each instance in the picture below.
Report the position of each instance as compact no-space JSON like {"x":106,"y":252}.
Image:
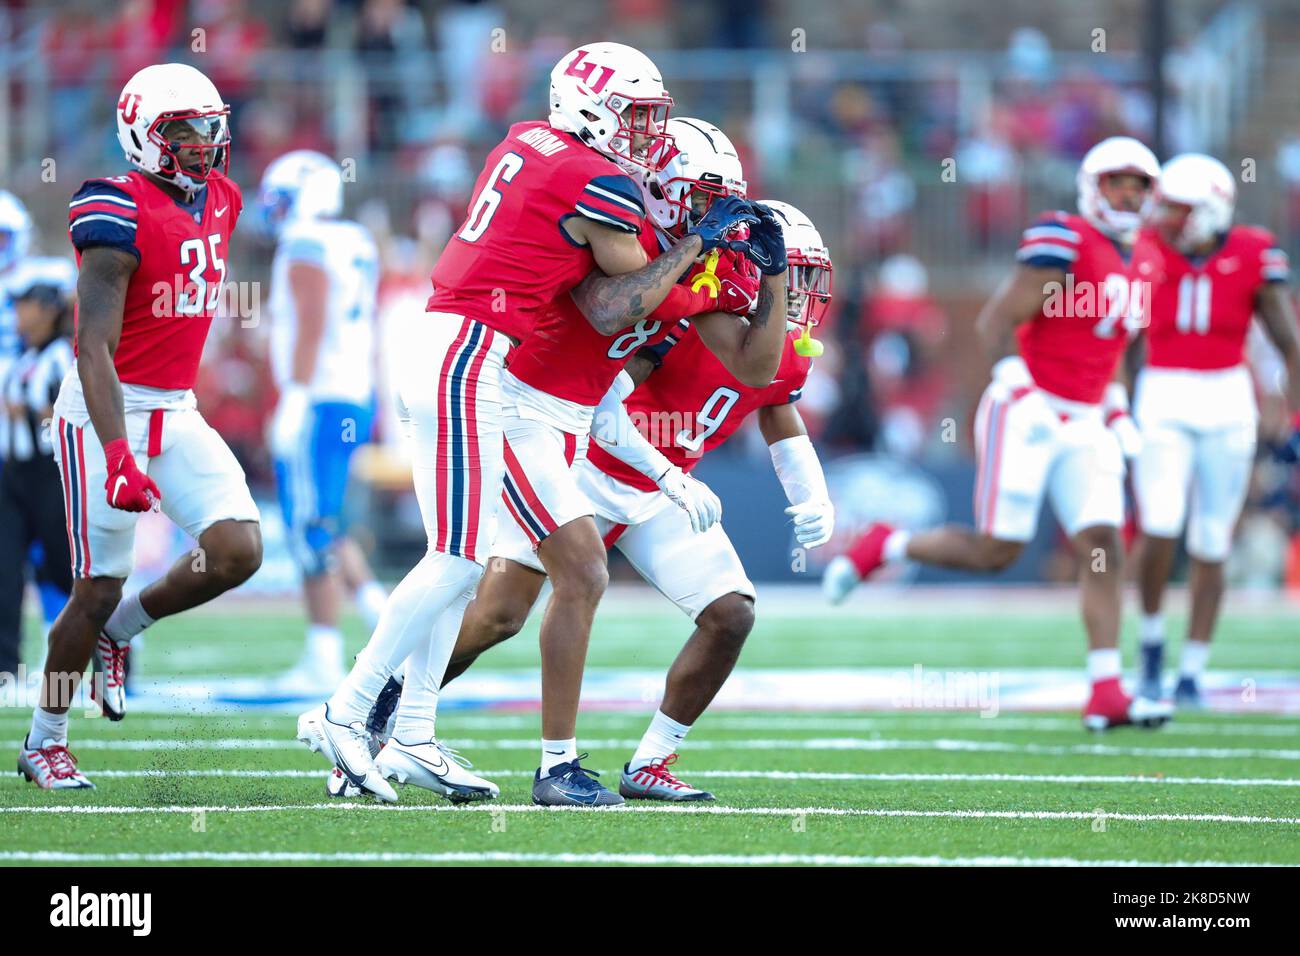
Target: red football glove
{"x":740,"y":280}
{"x":127,"y":487}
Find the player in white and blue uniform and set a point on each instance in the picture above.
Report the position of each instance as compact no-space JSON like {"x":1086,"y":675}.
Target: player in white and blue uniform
{"x":15,"y":238}
{"x":323,"y":288}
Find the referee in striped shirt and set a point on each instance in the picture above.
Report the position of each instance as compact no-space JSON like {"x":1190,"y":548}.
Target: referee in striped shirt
{"x":32,"y":523}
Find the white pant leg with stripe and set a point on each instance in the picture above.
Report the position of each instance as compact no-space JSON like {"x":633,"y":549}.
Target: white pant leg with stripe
{"x":449,"y":401}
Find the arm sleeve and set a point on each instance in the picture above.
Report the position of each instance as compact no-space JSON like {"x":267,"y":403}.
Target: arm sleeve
{"x":102,"y":214}
{"x":799,"y":470}
{"x":1049,"y":243}
{"x":613,"y":428}
{"x":613,"y":201}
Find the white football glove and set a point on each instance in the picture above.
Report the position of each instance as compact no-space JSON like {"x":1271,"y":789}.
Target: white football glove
{"x":693,"y":497}
{"x":814,"y":522}
{"x":289,"y":420}
{"x":1120,"y":422}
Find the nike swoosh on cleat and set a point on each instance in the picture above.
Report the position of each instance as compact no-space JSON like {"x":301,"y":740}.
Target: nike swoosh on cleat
{"x":577,"y":796}
{"x":438,"y":770}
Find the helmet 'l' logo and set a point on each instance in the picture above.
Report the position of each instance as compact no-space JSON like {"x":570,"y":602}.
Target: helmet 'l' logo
{"x":583,"y":72}
{"x":128,"y":106}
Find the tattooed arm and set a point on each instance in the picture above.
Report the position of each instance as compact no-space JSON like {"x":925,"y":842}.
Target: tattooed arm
{"x":626,"y":289}
{"x":101,"y":295}
{"x":751,"y":350}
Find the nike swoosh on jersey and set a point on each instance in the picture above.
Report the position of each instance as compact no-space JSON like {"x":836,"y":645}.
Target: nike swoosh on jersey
{"x":222,"y":211}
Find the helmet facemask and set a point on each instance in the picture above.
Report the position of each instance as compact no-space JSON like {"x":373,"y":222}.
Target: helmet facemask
{"x":192,"y":145}
{"x":639,"y":143}
{"x":808,"y":291}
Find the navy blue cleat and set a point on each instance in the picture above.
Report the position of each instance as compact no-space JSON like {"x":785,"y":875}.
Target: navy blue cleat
{"x":570,"y":785}
{"x":1153,"y":662}
{"x":1187,"y":695}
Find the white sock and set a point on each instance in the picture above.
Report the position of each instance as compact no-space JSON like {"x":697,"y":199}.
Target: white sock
{"x":418,"y":709}
{"x":555,"y":752}
{"x":371,"y":598}
{"x":128,"y":619}
{"x":325,"y":643}
{"x":1151,"y":629}
{"x":896,"y":546}
{"x":47,"y":726}
{"x":408,"y":620}
{"x":662,"y":737}
{"x":1103,"y":664}
{"x":1196,"y":654}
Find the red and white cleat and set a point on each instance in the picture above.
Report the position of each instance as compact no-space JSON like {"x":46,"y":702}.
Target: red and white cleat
{"x":1110,"y":707}
{"x":108,"y":685}
{"x":51,"y":767}
{"x":847,"y":571}
{"x":655,"y":782}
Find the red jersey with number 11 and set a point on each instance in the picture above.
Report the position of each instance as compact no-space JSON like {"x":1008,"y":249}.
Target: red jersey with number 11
{"x":175,"y":291}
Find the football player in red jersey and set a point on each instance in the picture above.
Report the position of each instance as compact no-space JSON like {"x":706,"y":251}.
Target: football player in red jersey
{"x":554,"y":213}
{"x":1194,"y":400}
{"x":151,"y":250}
{"x":1054,"y":421}
{"x":694,"y":397}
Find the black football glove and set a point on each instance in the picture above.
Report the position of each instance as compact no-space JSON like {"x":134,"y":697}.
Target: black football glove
{"x":766,"y":242}
{"x":723,"y":216}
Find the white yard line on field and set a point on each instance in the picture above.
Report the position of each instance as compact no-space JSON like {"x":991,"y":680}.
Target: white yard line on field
{"x":794,"y":775}
{"x":821,"y":743}
{"x":706,"y":810}
{"x":630,"y":859}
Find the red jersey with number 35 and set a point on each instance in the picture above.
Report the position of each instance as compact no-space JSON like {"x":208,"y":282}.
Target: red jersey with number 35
{"x":692,"y":404}
{"x":174,"y":293}
{"x":1201,"y":307}
{"x":512,"y":257}
{"x":1073,"y":345}
{"x":566,"y":357}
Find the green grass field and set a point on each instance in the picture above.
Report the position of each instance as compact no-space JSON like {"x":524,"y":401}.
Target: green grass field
{"x":941,"y":787}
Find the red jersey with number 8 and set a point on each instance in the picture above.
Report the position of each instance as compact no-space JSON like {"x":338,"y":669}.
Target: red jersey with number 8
{"x":692,"y":404}
{"x":1201,"y":307}
{"x":1073,"y":345}
{"x":512,"y":257}
{"x":175,"y":291}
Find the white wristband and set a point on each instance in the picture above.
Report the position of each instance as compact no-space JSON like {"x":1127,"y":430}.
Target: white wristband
{"x":799,"y":470}
{"x":1115,"y":398}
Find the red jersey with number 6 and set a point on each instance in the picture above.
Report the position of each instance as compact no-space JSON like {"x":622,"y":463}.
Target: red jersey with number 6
{"x":512,"y":256}
{"x":692,"y":404}
{"x":1073,"y":345}
{"x":1201,"y":307}
{"x":174,"y":293}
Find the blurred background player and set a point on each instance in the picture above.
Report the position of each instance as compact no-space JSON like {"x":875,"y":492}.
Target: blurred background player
{"x":1054,"y":421}
{"x":324,"y":281}
{"x":32,"y":528}
{"x":151,"y":249}
{"x":15,"y":240}
{"x":1195,"y":399}
{"x":554,"y":212}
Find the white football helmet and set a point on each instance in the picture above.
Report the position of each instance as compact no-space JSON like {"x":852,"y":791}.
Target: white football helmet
{"x":701,"y":160}
{"x":1118,"y":154}
{"x":1205,"y":184}
{"x":302,"y":184}
{"x":15,"y":230}
{"x":591,"y":89}
{"x":808,"y":296}
{"x":159,"y":96}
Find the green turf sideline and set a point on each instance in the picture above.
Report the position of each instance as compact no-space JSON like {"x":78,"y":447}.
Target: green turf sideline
{"x":831,"y":743}
{"x":627,"y":859}
{"x":702,"y":810}
{"x":790,"y":775}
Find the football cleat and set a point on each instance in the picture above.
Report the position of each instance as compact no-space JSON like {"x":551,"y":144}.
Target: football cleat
{"x":379,"y":723}
{"x":847,"y":571}
{"x":51,"y":767}
{"x":338,"y":785}
{"x":1153,"y":662}
{"x":347,"y":747}
{"x":434,"y":767}
{"x":108,"y":683}
{"x":655,"y":782}
{"x":1187,"y":694}
{"x":571,"y":785}
{"x":1110,"y":707}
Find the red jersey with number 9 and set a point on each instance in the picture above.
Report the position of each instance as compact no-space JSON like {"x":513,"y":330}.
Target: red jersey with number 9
{"x":175,"y":291}
{"x":1201,"y":307}
{"x":692,"y":404}
{"x":1073,"y":345}
{"x":512,"y":257}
